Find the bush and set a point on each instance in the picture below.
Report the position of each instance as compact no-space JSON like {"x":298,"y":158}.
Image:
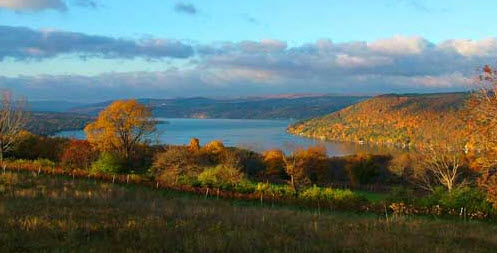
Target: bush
{"x":209,"y":177}
{"x":401,"y":194}
{"x":246,"y":187}
{"x":334,"y":197}
{"x":311,"y":193}
{"x":44,"y":162}
{"x":472,"y":199}
{"x":221,"y":177}
{"x":107,"y":163}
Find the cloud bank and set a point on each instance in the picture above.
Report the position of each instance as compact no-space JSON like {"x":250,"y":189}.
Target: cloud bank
{"x":22,"y":43}
{"x":268,"y":66}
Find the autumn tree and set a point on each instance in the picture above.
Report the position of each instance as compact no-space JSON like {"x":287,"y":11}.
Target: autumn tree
{"x":120,"y":127}
{"x":274,"y":162}
{"x":12,"y":121}
{"x":174,"y":162}
{"x":304,"y":164}
{"x":78,"y":154}
{"x":212,"y":152}
{"x":231,"y":167}
{"x":483,"y":116}
{"x":483,"y":123}
{"x":194,"y":145}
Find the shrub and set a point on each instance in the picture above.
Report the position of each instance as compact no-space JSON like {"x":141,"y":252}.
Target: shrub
{"x":245,"y":186}
{"x":209,"y":177}
{"x":44,"y":162}
{"x":107,"y":163}
{"x":401,"y":194}
{"x":311,"y":193}
{"x":221,"y":176}
{"x":334,"y":197}
{"x":472,"y":199}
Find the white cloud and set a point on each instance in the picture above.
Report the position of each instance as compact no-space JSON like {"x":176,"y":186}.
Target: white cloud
{"x":400,"y":45}
{"x":23,"y":43}
{"x":346,"y":60}
{"x":485,"y":47}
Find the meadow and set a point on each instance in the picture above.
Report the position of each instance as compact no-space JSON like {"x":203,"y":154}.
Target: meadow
{"x":61,"y":214}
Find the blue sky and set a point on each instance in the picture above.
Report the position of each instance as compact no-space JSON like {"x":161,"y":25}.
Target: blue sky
{"x":163,"y":48}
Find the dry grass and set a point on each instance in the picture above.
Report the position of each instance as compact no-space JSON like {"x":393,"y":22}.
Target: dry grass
{"x":43,"y":213}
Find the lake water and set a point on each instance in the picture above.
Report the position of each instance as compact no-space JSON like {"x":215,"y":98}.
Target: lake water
{"x":257,"y":135}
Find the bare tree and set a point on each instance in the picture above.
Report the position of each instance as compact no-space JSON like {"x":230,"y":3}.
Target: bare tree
{"x":441,"y":161}
{"x":440,"y":165}
{"x":12,"y":121}
{"x":296,"y":169}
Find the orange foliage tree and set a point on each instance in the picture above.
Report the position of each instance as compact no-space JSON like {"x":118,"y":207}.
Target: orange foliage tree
{"x":483,"y":111}
{"x":121,"y":127}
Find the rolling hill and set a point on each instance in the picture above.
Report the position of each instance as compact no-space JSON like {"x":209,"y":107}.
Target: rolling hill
{"x":393,"y":119}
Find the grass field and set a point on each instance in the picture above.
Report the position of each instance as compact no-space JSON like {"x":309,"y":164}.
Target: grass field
{"x":47,"y":213}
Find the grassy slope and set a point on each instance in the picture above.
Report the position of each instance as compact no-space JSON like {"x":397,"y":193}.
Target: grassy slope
{"x":389,"y":119}
{"x":57,"y":214}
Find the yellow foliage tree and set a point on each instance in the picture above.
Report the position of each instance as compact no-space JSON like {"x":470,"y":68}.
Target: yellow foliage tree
{"x":120,"y":127}
{"x":275,"y":163}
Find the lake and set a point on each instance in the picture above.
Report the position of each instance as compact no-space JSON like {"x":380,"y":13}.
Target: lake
{"x":257,"y":135}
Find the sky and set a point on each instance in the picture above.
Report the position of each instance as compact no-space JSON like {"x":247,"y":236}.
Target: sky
{"x":93,"y":50}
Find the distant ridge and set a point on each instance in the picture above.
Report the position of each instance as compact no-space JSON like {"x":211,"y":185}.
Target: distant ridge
{"x":287,"y":106}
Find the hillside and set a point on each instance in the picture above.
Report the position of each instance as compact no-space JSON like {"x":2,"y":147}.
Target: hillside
{"x":48,"y":123}
{"x":289,"y":107}
{"x":403,"y":120}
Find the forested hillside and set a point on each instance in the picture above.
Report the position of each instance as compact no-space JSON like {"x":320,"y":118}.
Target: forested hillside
{"x":47,"y":123}
{"x":405,"y":119}
{"x":291,"y":107}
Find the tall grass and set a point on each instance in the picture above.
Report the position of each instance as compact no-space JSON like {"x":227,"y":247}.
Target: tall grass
{"x":47,"y":213}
